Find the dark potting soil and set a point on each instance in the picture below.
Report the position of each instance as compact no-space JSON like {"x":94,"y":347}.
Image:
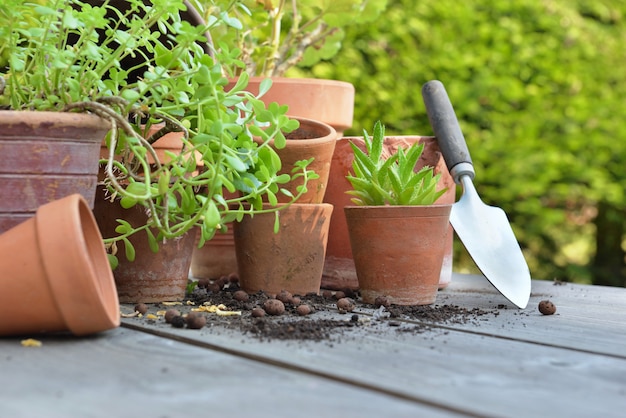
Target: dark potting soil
{"x":291,"y":325}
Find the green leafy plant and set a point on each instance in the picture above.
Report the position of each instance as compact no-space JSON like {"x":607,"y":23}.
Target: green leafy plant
{"x":393,"y":181}
{"x":67,"y":55}
{"x":276,"y":35}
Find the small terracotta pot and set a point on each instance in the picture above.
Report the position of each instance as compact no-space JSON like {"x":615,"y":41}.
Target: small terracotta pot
{"x":339,"y":272}
{"x":312,"y":139}
{"x":329,"y":101}
{"x":55,"y":273}
{"x":45,"y":157}
{"x":151,"y":277}
{"x":290,"y":260}
{"x":398,"y":251}
{"x":216,"y":258}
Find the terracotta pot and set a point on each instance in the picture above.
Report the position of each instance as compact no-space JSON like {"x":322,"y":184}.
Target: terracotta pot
{"x":216,"y":258}
{"x":151,"y":277}
{"x":328,"y":101}
{"x":398,"y":251}
{"x":55,"y":273}
{"x":290,"y":260}
{"x":339,"y":270}
{"x":46,"y":156}
{"x":312,"y":139}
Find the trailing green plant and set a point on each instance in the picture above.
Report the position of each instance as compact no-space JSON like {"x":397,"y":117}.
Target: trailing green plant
{"x":276,"y":35}
{"x":377,"y":181}
{"x":67,"y":55}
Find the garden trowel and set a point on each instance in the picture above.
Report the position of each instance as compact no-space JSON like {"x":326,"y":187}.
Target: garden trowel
{"x":484,"y":230}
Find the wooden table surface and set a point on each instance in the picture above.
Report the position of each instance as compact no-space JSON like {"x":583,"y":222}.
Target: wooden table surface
{"x":516,"y":363}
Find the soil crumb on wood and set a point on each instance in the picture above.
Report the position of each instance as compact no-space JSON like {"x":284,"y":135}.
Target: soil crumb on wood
{"x":315,"y":326}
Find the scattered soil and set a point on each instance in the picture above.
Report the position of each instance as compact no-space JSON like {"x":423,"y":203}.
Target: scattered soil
{"x":263,"y":317}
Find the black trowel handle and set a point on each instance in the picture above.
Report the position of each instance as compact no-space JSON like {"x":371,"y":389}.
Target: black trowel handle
{"x":447,"y":130}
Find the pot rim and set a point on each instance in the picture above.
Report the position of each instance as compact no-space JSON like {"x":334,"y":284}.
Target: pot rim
{"x":398,"y":211}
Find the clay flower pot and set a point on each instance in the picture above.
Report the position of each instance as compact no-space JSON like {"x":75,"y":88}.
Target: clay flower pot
{"x":46,"y":156}
{"x":151,"y":277}
{"x":339,"y":270}
{"x":55,"y":273}
{"x":398,"y":251}
{"x":291,"y":259}
{"x":312,"y":139}
{"x":216,"y":258}
{"x":329,"y":101}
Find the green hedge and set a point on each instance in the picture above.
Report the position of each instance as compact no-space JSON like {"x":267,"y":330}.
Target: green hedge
{"x":539,"y":89}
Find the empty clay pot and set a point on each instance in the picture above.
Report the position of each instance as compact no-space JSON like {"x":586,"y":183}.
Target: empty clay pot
{"x":291,"y":259}
{"x":55,"y":275}
{"x":313,"y":139}
{"x":216,"y":258}
{"x":329,"y":101}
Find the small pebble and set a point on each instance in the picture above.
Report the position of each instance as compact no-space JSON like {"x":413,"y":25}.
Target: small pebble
{"x":345,"y":305}
{"x":170,"y":314}
{"x":327,"y":294}
{"x":241,"y":296}
{"x":295,"y":301}
{"x":233,"y":278}
{"x":203,"y":283}
{"x":303,"y":310}
{"x":381,"y":301}
{"x":178,"y":321}
{"x":257,"y":312}
{"x":274,"y":307}
{"x":546,"y":307}
{"x":284,"y":296}
{"x":223,"y":281}
{"x":214,"y":287}
{"x":354,"y":318}
{"x":339,"y":294}
{"x":195,"y":320}
{"x":142,"y":308}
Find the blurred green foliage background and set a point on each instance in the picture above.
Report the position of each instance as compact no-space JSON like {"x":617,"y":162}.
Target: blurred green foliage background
{"x":539,"y":88}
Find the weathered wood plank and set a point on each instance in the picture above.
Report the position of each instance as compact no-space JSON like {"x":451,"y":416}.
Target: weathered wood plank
{"x":517,"y":363}
{"x":588,"y":318}
{"x":481,"y":375}
{"x":124,"y":373}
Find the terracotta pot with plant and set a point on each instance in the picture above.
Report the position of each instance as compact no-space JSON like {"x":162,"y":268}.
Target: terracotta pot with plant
{"x":86,"y":76}
{"x":339,"y":272}
{"x":397,"y":233}
{"x":313,"y":143}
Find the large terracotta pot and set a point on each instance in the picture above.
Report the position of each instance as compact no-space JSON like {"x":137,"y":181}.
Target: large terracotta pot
{"x":329,"y":101}
{"x":339,"y":270}
{"x":55,"y":275}
{"x":291,"y":259}
{"x":151,"y":277}
{"x":46,"y":156}
{"x":398,"y":251}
